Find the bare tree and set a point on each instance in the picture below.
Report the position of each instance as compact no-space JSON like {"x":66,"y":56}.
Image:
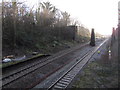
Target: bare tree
{"x":65,"y":18}
{"x":47,"y":14}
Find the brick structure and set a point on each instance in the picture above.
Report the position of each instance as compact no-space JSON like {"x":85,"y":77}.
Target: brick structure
{"x":119,"y":13}
{"x":118,"y":20}
{"x":119,"y":33}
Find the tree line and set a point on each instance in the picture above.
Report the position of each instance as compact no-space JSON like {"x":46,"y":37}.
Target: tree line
{"x":28,"y":27}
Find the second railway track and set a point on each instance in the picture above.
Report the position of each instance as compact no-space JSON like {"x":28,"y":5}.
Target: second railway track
{"x":50,"y":61}
{"x":31,"y":68}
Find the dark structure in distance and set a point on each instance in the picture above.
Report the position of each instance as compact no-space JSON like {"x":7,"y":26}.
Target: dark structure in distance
{"x":92,"y":40}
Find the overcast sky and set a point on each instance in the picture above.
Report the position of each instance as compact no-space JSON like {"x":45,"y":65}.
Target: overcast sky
{"x":101,"y":15}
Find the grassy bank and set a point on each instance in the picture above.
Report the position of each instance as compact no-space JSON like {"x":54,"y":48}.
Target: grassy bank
{"x":102,"y":73}
{"x":44,"y":46}
{"x":43,"y":50}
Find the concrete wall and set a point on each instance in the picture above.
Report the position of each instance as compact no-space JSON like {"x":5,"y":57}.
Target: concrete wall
{"x":78,"y":31}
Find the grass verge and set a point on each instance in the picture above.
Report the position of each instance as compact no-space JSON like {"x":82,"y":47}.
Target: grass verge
{"x":102,"y":73}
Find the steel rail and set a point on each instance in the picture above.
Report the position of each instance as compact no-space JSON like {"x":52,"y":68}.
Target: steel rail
{"x":19,"y":74}
{"x":68,"y":76}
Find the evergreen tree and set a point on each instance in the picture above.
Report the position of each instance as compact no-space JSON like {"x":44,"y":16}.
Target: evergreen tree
{"x":92,"y":41}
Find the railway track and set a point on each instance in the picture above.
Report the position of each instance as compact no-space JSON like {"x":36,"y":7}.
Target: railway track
{"x":37,"y":65}
{"x":63,"y":81}
{"x":31,"y":68}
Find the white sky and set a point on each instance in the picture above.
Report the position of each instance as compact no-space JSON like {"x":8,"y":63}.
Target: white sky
{"x":101,"y":15}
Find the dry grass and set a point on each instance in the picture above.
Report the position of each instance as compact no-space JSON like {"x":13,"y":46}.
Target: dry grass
{"x":102,"y":73}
